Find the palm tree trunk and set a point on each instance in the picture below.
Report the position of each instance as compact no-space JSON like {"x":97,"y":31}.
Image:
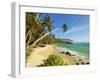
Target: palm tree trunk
{"x":38,"y":15}
{"x":43,"y":37}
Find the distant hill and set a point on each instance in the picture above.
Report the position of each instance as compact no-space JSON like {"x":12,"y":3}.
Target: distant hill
{"x":62,"y":41}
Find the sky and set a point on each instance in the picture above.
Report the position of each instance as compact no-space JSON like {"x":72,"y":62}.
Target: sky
{"x":78,"y":26}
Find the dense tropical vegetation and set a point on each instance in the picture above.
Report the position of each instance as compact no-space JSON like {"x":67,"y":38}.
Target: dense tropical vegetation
{"x":36,"y":28}
{"x":39,"y":32}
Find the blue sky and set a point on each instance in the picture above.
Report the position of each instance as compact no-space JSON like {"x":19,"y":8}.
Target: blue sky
{"x":78,"y":26}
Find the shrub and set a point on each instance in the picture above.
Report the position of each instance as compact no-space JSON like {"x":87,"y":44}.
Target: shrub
{"x":53,"y":60}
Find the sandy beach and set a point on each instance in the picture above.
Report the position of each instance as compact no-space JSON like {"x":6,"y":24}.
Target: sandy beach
{"x":40,"y":53}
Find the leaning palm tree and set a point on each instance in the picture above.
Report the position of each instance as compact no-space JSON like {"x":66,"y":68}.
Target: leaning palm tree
{"x":33,"y":27}
{"x":42,"y":37}
{"x":47,"y":27}
{"x":37,"y":30}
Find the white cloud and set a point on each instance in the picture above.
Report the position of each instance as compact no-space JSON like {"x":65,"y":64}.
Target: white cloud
{"x":75,"y":29}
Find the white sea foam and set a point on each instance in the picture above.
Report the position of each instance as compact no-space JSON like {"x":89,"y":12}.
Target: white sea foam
{"x":77,"y":54}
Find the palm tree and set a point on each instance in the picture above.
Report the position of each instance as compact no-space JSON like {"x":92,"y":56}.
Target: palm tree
{"x":37,"y":30}
{"x":47,"y":22}
{"x":65,"y":27}
{"x":33,"y":27}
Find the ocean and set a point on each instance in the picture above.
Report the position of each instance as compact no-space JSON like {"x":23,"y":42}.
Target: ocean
{"x":81,"y":48}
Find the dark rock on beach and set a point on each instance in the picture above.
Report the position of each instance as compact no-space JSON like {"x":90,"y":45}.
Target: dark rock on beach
{"x":68,"y":53}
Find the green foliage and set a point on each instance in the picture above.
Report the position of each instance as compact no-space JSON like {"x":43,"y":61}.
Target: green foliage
{"x":36,"y":28}
{"x":65,"y":27}
{"x":27,"y":55}
{"x":48,"y":22}
{"x":53,"y":60}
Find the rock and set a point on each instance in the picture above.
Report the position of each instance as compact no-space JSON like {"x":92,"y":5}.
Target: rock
{"x":88,"y":63}
{"x":62,"y":52}
{"x":77,"y":63}
{"x":68,"y":53}
{"x":82,"y":63}
{"x":80,"y":59}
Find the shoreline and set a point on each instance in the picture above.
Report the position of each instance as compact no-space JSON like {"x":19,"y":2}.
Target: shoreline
{"x":74,"y":54}
{"x":40,"y":53}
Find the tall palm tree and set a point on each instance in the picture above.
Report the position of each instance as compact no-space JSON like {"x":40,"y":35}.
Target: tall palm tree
{"x":47,"y":22}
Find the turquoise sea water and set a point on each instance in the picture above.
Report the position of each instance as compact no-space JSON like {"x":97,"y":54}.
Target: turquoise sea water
{"x":82,"y":48}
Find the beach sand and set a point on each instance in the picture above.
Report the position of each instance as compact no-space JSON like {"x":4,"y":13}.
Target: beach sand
{"x":40,"y":53}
